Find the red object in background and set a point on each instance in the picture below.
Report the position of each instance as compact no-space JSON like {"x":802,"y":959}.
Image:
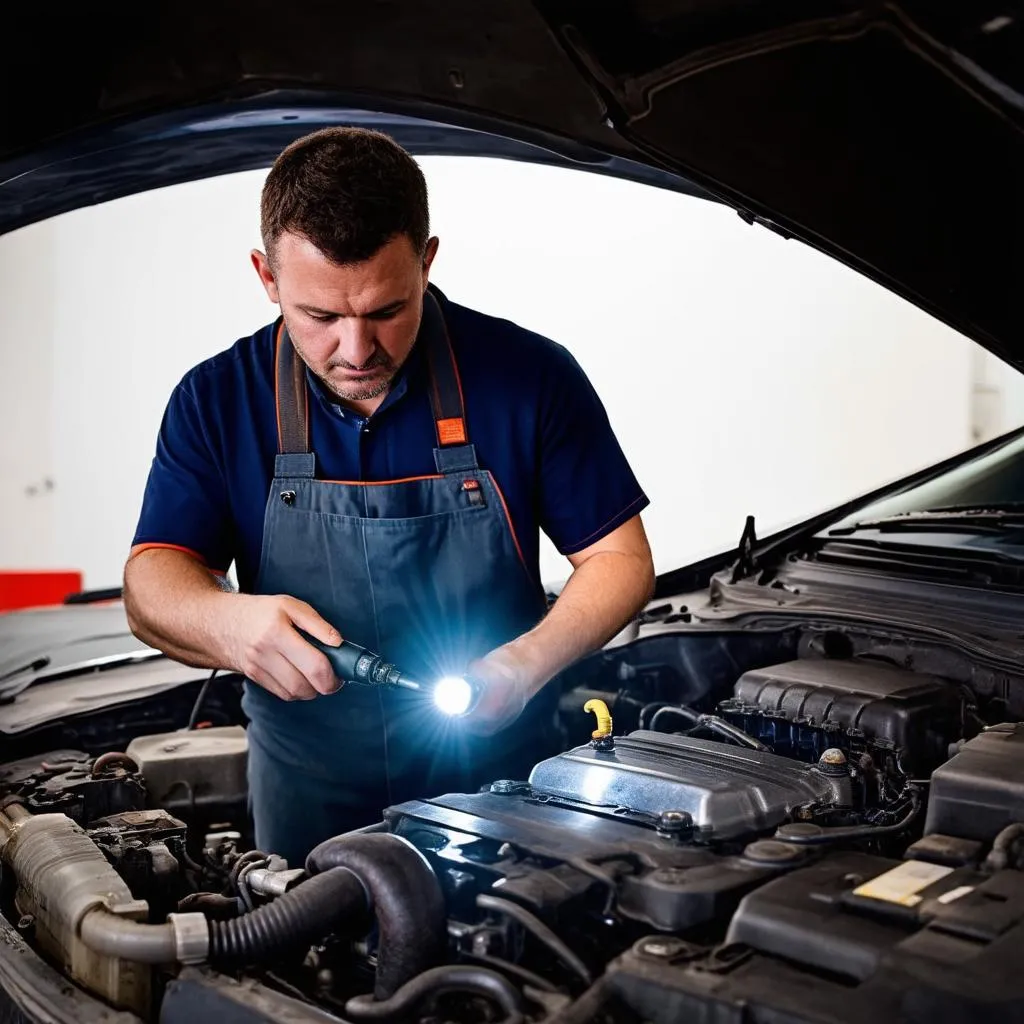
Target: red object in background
{"x":31,"y":589}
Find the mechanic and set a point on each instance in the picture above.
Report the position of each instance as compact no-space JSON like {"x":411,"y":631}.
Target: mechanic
{"x":379,"y":461}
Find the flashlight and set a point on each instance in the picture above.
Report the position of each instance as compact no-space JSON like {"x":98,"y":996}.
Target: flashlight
{"x":455,"y":695}
{"x":355,"y":664}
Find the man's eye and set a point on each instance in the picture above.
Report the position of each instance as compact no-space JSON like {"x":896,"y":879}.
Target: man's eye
{"x":387,"y":314}
{"x":325,"y":318}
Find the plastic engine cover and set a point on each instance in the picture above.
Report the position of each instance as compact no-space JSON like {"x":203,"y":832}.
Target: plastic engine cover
{"x":727,"y":791}
{"x":980,"y":790}
{"x":854,"y":703}
{"x":199,"y":771}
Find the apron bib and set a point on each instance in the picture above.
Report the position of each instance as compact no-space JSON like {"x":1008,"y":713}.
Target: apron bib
{"x":425,"y":571}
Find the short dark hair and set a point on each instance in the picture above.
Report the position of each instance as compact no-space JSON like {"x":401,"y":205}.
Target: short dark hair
{"x":349,"y":191}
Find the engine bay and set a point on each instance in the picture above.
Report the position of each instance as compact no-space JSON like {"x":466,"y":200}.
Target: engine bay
{"x":787,"y":827}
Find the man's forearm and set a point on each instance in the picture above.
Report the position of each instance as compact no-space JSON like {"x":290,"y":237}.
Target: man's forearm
{"x":600,"y":598}
{"x":175,"y":604}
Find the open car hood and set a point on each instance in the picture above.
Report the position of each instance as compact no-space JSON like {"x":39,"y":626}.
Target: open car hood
{"x":886,"y":134}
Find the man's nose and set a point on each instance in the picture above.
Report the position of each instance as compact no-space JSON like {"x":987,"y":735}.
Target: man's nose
{"x":357,"y":340}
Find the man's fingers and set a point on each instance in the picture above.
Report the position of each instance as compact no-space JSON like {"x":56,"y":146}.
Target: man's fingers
{"x":311,"y":663}
{"x":265,"y":680}
{"x":288,"y":676}
{"x":306,"y":617}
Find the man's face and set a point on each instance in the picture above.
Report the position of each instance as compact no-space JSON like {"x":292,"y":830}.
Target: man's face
{"x":354,"y":326}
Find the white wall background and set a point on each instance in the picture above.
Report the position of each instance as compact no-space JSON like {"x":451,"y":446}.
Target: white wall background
{"x":743,"y":373}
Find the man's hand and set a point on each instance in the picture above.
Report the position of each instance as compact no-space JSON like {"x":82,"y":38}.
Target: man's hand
{"x":265,"y":647}
{"x":611,"y":582}
{"x":506,"y":683}
{"x":175,"y":604}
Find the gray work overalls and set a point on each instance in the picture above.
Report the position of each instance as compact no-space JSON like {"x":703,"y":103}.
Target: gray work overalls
{"x":425,"y":571}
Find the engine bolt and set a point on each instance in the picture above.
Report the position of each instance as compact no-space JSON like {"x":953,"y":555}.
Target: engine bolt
{"x":674,"y":822}
{"x":661,"y":948}
{"x":505,"y":787}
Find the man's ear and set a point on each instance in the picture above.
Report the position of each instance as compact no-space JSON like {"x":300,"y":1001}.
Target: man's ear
{"x":266,"y":274}
{"x":428,"y":258}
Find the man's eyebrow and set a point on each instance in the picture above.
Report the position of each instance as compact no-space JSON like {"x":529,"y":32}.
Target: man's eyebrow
{"x":390,"y":307}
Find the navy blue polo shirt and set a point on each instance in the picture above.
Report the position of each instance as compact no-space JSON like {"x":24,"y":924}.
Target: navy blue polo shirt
{"x":536,"y":421}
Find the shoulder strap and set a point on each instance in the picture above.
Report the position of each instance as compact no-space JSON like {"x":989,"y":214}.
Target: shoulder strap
{"x":454,"y":452}
{"x":292,"y":400}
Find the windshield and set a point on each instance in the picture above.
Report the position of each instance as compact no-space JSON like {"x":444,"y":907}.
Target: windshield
{"x":742,"y":373}
{"x":991,"y":481}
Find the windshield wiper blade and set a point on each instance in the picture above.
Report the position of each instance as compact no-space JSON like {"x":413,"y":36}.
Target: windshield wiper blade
{"x":20,"y":679}
{"x":32,"y":666}
{"x":949,"y":520}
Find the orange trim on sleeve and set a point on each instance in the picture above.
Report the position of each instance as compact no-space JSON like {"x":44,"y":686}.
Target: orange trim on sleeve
{"x":580,"y":544}
{"x":139,"y":548}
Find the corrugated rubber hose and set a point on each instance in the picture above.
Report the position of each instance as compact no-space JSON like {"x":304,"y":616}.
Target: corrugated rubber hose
{"x":406,"y":898}
{"x":332,"y":902}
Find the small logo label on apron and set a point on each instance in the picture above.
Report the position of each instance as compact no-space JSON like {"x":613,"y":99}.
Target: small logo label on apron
{"x":472,"y":489}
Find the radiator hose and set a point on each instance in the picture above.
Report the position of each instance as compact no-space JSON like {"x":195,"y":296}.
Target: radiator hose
{"x":405,"y":896}
{"x":333,"y":902}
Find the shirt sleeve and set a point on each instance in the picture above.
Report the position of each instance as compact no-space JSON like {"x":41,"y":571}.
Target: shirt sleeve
{"x":587,"y":488}
{"x":185,"y":505}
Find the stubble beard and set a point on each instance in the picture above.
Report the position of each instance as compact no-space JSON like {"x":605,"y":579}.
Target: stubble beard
{"x":362,"y":391}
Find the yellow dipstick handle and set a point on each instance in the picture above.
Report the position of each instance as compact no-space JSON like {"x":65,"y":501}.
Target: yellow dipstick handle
{"x":604,"y":718}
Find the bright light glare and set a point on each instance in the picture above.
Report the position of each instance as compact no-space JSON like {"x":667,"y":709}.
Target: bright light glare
{"x":453,"y":695}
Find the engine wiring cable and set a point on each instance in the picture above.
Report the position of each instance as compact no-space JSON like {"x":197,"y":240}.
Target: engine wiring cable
{"x":650,"y":709}
{"x":521,"y":973}
{"x":539,"y":930}
{"x":243,"y":882}
{"x":193,"y":718}
{"x":846,"y":834}
{"x":249,"y":857}
{"x":719,"y":726}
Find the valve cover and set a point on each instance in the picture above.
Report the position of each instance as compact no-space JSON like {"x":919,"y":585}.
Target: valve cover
{"x":727,"y":791}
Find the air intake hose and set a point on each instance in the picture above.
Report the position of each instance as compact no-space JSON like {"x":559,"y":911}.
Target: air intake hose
{"x":406,"y":898}
{"x":332,"y":902}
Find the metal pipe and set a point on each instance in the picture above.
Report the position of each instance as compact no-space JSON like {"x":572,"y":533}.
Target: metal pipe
{"x":124,"y":939}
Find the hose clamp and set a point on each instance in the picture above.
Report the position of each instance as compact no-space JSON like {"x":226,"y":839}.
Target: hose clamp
{"x":191,"y":937}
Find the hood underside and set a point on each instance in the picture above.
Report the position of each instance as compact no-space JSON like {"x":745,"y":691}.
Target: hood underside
{"x":890,"y":135}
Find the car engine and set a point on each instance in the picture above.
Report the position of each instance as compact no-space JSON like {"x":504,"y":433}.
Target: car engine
{"x":818,"y":839}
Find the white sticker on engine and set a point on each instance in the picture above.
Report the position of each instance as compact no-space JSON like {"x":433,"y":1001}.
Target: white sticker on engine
{"x":955,"y":894}
{"x":900,"y":884}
